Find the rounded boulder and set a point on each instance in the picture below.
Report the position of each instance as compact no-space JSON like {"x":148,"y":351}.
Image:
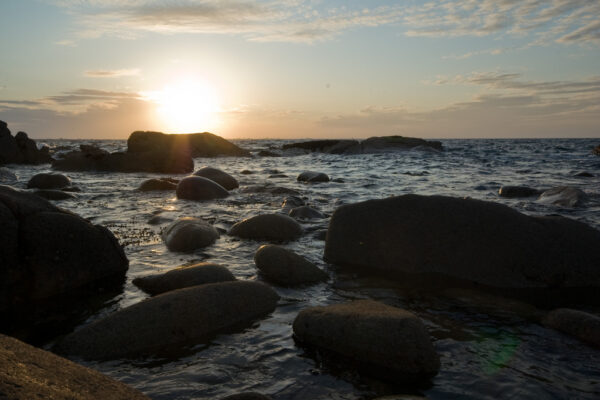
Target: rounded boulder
{"x":311,"y":176}
{"x":306,"y":212}
{"x":154,"y":184}
{"x":49,"y":181}
{"x":582,"y":325}
{"x":284,"y":267}
{"x":200,"y":188}
{"x":273,"y":227}
{"x":219,"y":176}
{"x":188,"y":234}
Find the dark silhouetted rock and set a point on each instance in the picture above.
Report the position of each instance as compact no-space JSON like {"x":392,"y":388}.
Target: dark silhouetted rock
{"x":246,"y":172}
{"x":159,"y":184}
{"x":584,"y":174}
{"x":50,"y":194}
{"x":20,"y":149}
{"x":176,"y":318}
{"x":184,"y":276}
{"x":596,"y":150}
{"x":195,"y":144}
{"x":292,"y":202}
{"x":393,"y":343}
{"x":49,"y":181}
{"x":158,"y":220}
{"x":7,"y":176}
{"x":331,"y":146}
{"x":267,"y":153}
{"x":49,"y":252}
{"x":391,"y":143}
{"x":517,"y":191}
{"x":564,"y":196}
{"x":285,"y":267}
{"x":273,"y":227}
{"x":305,"y":212}
{"x":216,"y":175}
{"x":28,"y":373}
{"x":582,"y":325}
{"x":247,"y":396}
{"x":188,"y":234}
{"x":468,"y":239}
{"x":199,"y":188}
{"x":310,"y":176}
{"x":269,"y":188}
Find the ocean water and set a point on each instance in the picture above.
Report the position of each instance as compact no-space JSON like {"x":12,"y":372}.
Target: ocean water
{"x":487,"y":351}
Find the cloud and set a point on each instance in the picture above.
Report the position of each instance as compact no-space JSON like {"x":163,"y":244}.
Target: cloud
{"x":114,"y":73}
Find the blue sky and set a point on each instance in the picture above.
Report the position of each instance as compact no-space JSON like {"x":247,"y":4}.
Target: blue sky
{"x":293,"y":68}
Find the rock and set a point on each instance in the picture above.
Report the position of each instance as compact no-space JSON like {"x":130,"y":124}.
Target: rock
{"x":584,"y":174}
{"x":157,"y":185}
{"x":184,"y":276}
{"x":246,"y":172}
{"x":596,"y":150}
{"x":158,"y":220}
{"x":216,"y":175}
{"x":7,"y":176}
{"x":20,"y":149}
{"x":29,"y":373}
{"x":177,"y":318}
{"x":188,"y":234}
{"x":517,"y":191}
{"x":467,"y":239}
{"x":292,"y":202}
{"x":195,"y":144}
{"x":247,"y":396}
{"x":269,"y":188}
{"x":582,"y":325}
{"x":393,"y":343}
{"x":50,"y":194}
{"x":285,"y":267}
{"x":564,"y":196}
{"x":199,"y":188}
{"x":48,"y":252}
{"x":331,"y":146}
{"x":310,"y":176}
{"x":93,"y":151}
{"x":49,"y":181}
{"x":273,"y":227}
{"x":306,"y":212}
{"x":391,"y":143}
{"x":267,"y":153}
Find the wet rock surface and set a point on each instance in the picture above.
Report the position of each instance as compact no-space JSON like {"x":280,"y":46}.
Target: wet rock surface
{"x":273,"y":227}
{"x":284,"y":267}
{"x":188,"y":234}
{"x":219,"y":176}
{"x":199,"y":188}
{"x":49,"y":181}
{"x":582,"y":325}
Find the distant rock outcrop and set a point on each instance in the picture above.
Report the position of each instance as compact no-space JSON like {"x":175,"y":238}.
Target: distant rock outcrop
{"x":195,"y":144}
{"x":375,"y":144}
{"x":20,"y":149}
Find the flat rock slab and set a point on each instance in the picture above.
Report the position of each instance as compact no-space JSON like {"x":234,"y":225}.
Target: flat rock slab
{"x":392,"y":342}
{"x":285,"y":267}
{"x":182,"y":277}
{"x":28,"y":373}
{"x":173,"y":319}
{"x":273,"y":227}
{"x":584,"y":326}
{"x":470,"y":240}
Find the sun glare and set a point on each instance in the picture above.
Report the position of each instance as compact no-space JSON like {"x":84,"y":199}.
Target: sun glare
{"x":187,"y":106}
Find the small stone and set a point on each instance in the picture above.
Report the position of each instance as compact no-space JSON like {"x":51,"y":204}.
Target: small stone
{"x":311,"y":176}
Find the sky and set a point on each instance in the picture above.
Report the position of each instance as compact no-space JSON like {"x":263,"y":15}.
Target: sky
{"x":301,"y":68}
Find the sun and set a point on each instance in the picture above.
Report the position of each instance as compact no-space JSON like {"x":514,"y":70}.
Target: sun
{"x":187,"y":106}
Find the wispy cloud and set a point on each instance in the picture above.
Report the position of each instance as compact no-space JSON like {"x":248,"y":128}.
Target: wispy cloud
{"x":111,"y":73}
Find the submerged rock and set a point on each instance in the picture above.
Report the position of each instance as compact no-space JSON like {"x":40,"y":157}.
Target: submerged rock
{"x":29,"y":373}
{"x":517,"y":191}
{"x":184,"y":276}
{"x":311,"y":176}
{"x":7,"y":176}
{"x":158,"y":184}
{"x":216,"y":175}
{"x":20,"y":149}
{"x":564,"y":196}
{"x":305,"y":212}
{"x":582,"y":325}
{"x":199,"y":188}
{"x":584,"y":174}
{"x":285,"y":267}
{"x":471,"y":240}
{"x":177,"y":318}
{"x":391,"y":342}
{"x":49,"y":194}
{"x":274,"y":227}
{"x":49,"y":181}
{"x":188,"y":234}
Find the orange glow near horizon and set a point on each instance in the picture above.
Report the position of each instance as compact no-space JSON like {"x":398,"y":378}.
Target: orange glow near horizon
{"x":187,"y":106}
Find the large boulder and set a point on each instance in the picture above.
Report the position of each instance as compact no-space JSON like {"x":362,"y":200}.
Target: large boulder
{"x":184,"y":276}
{"x":273,"y":227}
{"x":565,"y":196}
{"x":199,"y":188}
{"x":331,"y":146}
{"x":48,"y":252}
{"x":221,"y":177}
{"x":188,"y":234}
{"x":467,"y":239}
{"x":49,"y":181}
{"x":196,"y":144}
{"x":29,"y":373}
{"x":584,"y":326}
{"x":180,"y":317}
{"x":285,"y":267}
{"x":20,"y":149}
{"x":391,"y":342}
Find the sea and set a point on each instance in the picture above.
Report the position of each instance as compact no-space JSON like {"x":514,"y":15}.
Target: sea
{"x":488,"y":350}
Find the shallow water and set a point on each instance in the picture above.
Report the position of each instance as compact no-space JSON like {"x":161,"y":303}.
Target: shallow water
{"x":486,"y":352}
